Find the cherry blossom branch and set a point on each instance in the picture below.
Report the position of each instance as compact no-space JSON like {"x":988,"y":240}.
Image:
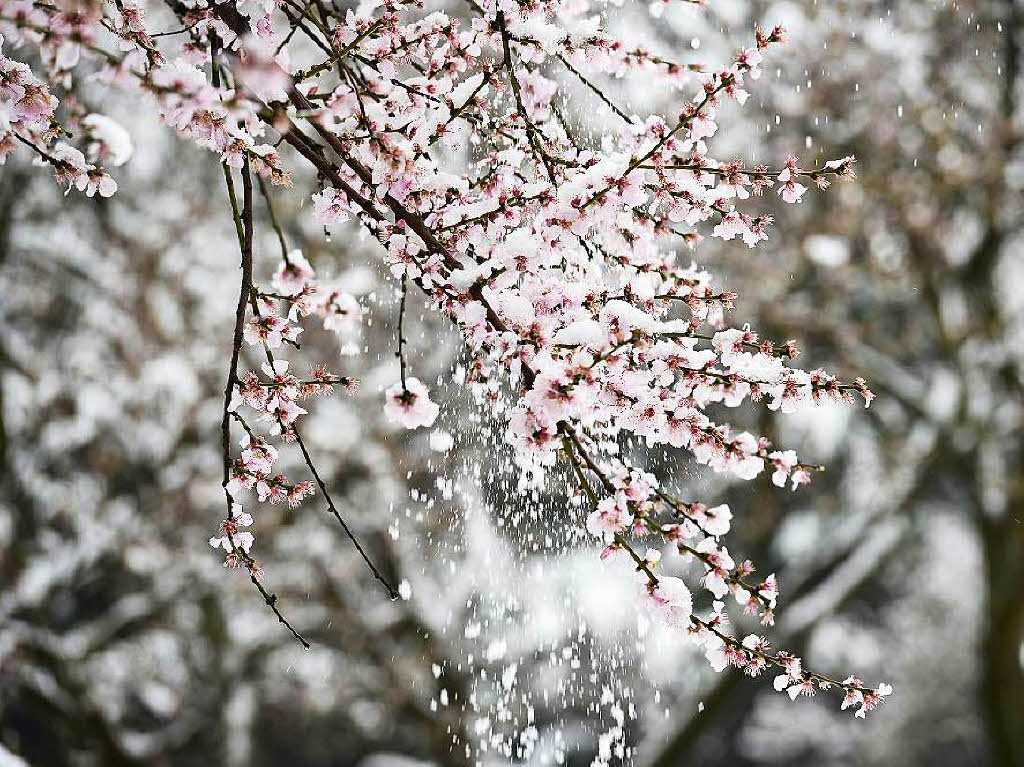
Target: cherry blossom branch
{"x":340,"y":55}
{"x":295,"y":493}
{"x":545,"y":255}
{"x":751,"y":654}
{"x":244,"y":227}
{"x":684,"y":122}
{"x":532,"y":131}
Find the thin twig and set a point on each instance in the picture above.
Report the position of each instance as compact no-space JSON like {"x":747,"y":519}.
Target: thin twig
{"x":243,"y":227}
{"x":401,"y":327}
{"x":392,"y":593}
{"x":273,"y":219}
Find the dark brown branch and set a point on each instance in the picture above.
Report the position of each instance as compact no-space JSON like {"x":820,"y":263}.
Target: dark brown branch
{"x":401,"y":327}
{"x":600,"y":94}
{"x":273,"y":218}
{"x":243,"y":223}
{"x":392,"y":593}
{"x":531,"y":130}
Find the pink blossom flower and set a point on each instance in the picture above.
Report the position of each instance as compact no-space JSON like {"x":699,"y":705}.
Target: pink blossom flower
{"x":714,"y":521}
{"x":783,"y":461}
{"x":293,"y":274}
{"x":609,"y":518}
{"x":342,"y":313}
{"x":270,"y":330}
{"x":669,"y":602}
{"x":231,"y":529}
{"x":410,"y":405}
{"x":790,"y":191}
{"x":330,"y":206}
{"x":557,"y":261}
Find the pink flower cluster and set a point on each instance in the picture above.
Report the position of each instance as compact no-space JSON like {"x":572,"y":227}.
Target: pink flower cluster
{"x":555,"y":257}
{"x":295,"y":282}
{"x":26,"y":105}
{"x":27,"y":117}
{"x":275,"y":395}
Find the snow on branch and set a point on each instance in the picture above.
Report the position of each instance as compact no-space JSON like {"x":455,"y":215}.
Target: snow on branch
{"x":555,"y":255}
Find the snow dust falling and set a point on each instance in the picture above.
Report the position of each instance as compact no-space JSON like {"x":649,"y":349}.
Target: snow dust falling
{"x":547,"y":644}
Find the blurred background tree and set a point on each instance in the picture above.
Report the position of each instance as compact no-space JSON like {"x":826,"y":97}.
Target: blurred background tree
{"x":910,"y":277}
{"x":123,"y":642}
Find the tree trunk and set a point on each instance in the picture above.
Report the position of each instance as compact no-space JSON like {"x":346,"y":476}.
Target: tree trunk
{"x":1002,"y":677}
